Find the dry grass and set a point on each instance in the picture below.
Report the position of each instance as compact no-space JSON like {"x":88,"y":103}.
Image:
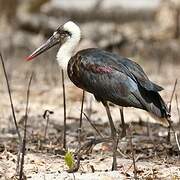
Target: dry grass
{"x":48,"y":95}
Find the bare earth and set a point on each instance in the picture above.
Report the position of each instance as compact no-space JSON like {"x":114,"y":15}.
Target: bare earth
{"x":44,"y":157}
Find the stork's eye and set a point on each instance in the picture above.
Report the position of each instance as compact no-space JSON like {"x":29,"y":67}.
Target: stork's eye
{"x":68,"y":33}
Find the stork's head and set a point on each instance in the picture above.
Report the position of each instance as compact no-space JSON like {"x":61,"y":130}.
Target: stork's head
{"x":69,"y":34}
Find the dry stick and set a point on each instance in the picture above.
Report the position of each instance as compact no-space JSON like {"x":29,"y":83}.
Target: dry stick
{"x":64,"y":103}
{"x":170,"y":126}
{"x":133,"y":155}
{"x":25,"y":127}
{"x":177,"y":141}
{"x":178,"y":110}
{"x":137,"y":158}
{"x":92,"y":124}
{"x":13,"y":113}
{"x":177,"y":105}
{"x":172,"y":95}
{"x":169,"y":109}
{"x":10,"y":98}
{"x":80,"y":120}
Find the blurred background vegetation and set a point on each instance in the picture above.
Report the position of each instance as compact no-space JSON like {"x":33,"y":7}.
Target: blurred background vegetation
{"x":145,"y":29}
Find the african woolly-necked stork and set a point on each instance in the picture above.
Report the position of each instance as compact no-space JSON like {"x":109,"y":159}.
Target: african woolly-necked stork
{"x":109,"y":77}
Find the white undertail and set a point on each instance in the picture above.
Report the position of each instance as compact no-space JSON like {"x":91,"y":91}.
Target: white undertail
{"x":66,"y":51}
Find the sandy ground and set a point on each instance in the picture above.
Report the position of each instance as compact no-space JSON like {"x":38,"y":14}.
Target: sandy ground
{"x":44,"y":159}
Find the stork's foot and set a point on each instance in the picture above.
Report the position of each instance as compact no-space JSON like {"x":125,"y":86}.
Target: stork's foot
{"x":115,"y":144}
{"x":114,"y":165}
{"x":87,"y":147}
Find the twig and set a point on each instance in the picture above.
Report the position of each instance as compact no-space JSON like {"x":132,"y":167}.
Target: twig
{"x":133,"y":155}
{"x":169,"y":109}
{"x":137,"y":158}
{"x":10,"y":98}
{"x":170,"y":125}
{"x":46,"y":117}
{"x":64,"y":103}
{"x":92,"y":124}
{"x":172,"y":95}
{"x":177,"y":105}
{"x":121,"y":153}
{"x":178,"y":110}
{"x":80,"y":120}
{"x":23,"y":149}
{"x":177,"y":141}
{"x":175,"y":133}
{"x":18,"y":159}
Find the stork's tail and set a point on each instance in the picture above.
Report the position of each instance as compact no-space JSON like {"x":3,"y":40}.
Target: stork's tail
{"x":154,"y":104}
{"x":158,"y":109}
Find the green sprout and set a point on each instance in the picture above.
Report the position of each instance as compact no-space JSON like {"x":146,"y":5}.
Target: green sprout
{"x":69,"y":159}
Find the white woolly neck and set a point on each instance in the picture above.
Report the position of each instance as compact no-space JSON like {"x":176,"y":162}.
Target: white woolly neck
{"x":66,"y":51}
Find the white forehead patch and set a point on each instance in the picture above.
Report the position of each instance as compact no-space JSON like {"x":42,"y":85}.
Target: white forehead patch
{"x":66,"y":50}
{"x":72,"y":27}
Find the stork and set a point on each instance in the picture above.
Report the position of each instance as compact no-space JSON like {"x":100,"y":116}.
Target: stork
{"x":108,"y":76}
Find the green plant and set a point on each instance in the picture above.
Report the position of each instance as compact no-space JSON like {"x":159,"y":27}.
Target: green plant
{"x":69,"y":159}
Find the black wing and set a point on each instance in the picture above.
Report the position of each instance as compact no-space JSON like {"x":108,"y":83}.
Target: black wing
{"x":115,"y":79}
{"x":97,"y":73}
{"x":136,"y":70}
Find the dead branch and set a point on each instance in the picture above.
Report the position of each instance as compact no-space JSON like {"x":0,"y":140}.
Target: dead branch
{"x":177,"y":105}
{"x":133,"y":155}
{"x":92,"y":124}
{"x":23,"y":149}
{"x":64,"y":103}
{"x":10,"y":98}
{"x":169,"y":109}
{"x":172,"y":95}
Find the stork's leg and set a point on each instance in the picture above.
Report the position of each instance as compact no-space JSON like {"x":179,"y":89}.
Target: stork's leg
{"x":113,"y":134}
{"x":123,"y":125}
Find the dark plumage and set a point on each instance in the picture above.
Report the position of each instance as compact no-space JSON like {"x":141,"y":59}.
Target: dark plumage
{"x":106,"y":75}
{"x":116,"y":79}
